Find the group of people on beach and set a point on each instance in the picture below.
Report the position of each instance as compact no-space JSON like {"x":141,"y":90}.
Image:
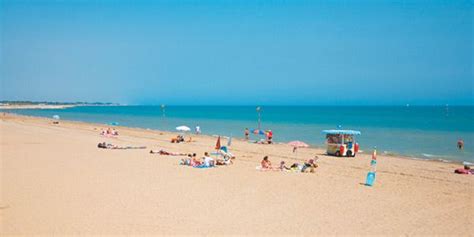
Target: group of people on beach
{"x":180,"y":138}
{"x":308,"y":166}
{"x":205,"y":162}
{"x":109,"y":132}
{"x":225,"y":157}
{"x":268,"y":136}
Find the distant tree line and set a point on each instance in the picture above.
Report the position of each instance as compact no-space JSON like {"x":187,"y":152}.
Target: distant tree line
{"x":27,"y":102}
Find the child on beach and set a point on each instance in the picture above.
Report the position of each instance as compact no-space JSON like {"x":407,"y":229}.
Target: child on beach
{"x":283,"y":167}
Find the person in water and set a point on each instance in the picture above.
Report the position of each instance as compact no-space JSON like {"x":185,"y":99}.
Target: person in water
{"x":247,"y":133}
{"x":460,"y":144}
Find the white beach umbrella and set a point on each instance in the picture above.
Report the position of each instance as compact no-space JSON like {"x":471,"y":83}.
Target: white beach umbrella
{"x":56,"y":117}
{"x":183,"y":129}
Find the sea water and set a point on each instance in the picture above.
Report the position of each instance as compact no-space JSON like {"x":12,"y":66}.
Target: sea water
{"x":425,"y":132}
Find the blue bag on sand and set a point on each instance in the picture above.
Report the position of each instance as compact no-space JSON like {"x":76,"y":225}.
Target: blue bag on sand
{"x":370,"y":179}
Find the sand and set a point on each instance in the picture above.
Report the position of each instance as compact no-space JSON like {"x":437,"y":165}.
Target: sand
{"x":55,"y":180}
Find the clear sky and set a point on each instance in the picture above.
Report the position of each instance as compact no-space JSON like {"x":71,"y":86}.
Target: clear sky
{"x":238,"y":53}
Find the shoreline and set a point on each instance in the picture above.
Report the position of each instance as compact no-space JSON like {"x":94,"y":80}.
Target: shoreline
{"x":56,"y":181}
{"x":320,"y":149}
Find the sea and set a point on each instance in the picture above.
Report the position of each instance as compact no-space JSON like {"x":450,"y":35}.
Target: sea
{"x":423,"y":132}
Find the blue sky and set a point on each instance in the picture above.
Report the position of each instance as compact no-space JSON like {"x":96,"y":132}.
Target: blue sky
{"x":238,"y":53}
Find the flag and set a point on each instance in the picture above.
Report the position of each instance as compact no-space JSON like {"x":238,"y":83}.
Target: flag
{"x":218,"y":143}
{"x":229,"y":142}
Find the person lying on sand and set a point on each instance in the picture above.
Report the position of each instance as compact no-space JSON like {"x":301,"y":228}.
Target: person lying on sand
{"x":104,"y":145}
{"x":466,"y":170}
{"x":167,"y":153}
{"x":177,"y":139}
{"x":296,"y":167}
{"x":227,"y":160}
{"x":310,"y":166}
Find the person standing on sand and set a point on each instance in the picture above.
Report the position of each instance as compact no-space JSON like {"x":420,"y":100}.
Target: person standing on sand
{"x":247,"y":133}
{"x":460,"y":144}
{"x":269,"y":137}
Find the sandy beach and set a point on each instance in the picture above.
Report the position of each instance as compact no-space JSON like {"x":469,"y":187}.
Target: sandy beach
{"x":55,"y":180}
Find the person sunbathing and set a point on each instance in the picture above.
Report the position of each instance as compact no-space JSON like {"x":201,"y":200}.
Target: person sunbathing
{"x":266,"y":164}
{"x":167,"y":153}
{"x":226,"y":161}
{"x":296,"y":167}
{"x":186,"y":161}
{"x":195,"y":161}
{"x":465,"y":170}
{"x":310,"y":166}
{"x":177,"y":139}
{"x":191,"y":160}
{"x":104,"y":145}
{"x":207,"y":160}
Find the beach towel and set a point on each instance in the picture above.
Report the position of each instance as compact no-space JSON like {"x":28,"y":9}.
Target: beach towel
{"x":203,"y":166}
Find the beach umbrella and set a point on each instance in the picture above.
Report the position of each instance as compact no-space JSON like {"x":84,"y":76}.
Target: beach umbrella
{"x":258,"y":132}
{"x":56,"y":117}
{"x":183,"y":129}
{"x":218,"y":143}
{"x":298,"y":144}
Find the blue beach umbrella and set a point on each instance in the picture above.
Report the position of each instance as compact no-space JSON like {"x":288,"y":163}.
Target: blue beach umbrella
{"x":258,"y":132}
